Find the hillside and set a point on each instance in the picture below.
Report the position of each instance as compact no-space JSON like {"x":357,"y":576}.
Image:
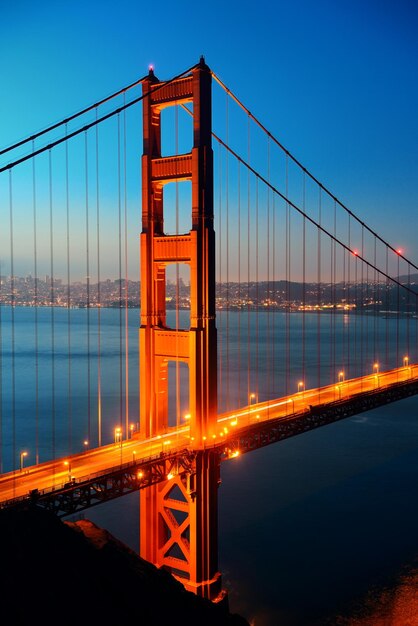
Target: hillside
{"x":76,"y":573}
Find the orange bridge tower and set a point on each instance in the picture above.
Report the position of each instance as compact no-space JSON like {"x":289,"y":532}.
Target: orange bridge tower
{"x":179,"y":516}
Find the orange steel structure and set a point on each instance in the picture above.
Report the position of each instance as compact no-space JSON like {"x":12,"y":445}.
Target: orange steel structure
{"x":178,"y":517}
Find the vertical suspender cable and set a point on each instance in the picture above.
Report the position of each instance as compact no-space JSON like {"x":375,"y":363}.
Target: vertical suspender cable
{"x":408,"y":308}
{"x":99,"y":303}
{"x":397,"y":312}
{"x":227,"y":257}
{"x":268,"y":342}
{"x":376,"y":305}
{"x":362,"y":301}
{"x":120,"y":286}
{"x":12,"y":302}
{"x":52,"y":304}
{"x":248,"y":267}
{"x":257,"y":290}
{"x":304,"y":282}
{"x":387,"y":309}
{"x":273,"y":338}
{"x":319,"y":292}
{"x":126,"y":275}
{"x":334,"y":300}
{"x":1,"y":373}
{"x":86,"y":165}
{"x":287,"y":246}
{"x":349,"y":297}
{"x":239,"y":284}
{"x":69,"y":381}
{"x":35,"y":271}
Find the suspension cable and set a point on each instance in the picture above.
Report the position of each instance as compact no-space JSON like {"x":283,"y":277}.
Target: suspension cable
{"x":72,"y":117}
{"x":310,"y":219}
{"x":304,"y":169}
{"x":97,"y":121}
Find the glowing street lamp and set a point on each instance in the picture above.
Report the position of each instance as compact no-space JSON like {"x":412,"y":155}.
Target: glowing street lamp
{"x":301,"y":386}
{"x":253,"y":396}
{"x":131,"y":429}
{"x":405,"y":361}
{"x":22,"y":456}
{"x":86,"y":444}
{"x":341,"y":376}
{"x":376,"y":367}
{"x":68,"y":465}
{"x":187,"y":417}
{"x":118,"y":435}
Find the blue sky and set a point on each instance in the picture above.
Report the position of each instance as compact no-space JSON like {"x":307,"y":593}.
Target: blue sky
{"x":335,"y":82}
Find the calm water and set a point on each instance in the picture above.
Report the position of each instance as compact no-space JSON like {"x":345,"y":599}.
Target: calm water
{"x":307,"y":525}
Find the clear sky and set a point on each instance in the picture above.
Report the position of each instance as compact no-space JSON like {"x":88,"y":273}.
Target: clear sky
{"x":335,"y":82}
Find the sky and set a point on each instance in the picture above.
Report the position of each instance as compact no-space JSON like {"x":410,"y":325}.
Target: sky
{"x":335,"y":82}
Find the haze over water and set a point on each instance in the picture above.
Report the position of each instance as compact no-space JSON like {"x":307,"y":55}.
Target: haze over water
{"x":307,"y":526}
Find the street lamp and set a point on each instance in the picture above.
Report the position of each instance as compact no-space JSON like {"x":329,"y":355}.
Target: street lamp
{"x":405,"y":361}
{"x":301,"y":386}
{"x":131,"y":429}
{"x":22,"y":456}
{"x":118,"y":435}
{"x":376,"y":367}
{"x":253,"y":396}
{"x":341,"y":376}
{"x":68,"y":464}
{"x":187,"y":416}
{"x":86,"y":444}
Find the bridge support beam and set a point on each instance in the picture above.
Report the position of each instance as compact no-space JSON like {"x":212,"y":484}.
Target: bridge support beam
{"x":179,"y":517}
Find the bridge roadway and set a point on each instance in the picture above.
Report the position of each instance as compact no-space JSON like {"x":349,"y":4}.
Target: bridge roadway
{"x":60,"y":473}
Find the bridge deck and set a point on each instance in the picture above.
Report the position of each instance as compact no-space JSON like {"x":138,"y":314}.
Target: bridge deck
{"x":238,"y":431}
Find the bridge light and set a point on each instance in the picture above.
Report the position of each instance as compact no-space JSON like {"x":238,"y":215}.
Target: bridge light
{"x":257,"y":417}
{"x":399,"y":251}
{"x":22,"y":456}
{"x":253,"y":396}
{"x":187,"y":416}
{"x":376,"y":367}
{"x":355,"y":252}
{"x":140,"y":474}
{"x":341,"y":376}
{"x":405,"y":361}
{"x":86,"y":444}
{"x":301,"y":385}
{"x":234,"y":422}
{"x":170,"y":475}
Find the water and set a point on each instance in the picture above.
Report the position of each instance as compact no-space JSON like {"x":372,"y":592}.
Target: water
{"x":307,"y":526}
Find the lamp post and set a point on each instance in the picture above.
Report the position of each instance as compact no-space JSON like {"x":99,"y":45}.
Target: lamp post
{"x":68,"y":465}
{"x":301,"y":386}
{"x":118,"y":435}
{"x":22,"y":456}
{"x":341,"y":376}
{"x":253,"y":396}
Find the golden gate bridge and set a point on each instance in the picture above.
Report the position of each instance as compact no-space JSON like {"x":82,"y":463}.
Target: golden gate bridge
{"x":298,"y":315}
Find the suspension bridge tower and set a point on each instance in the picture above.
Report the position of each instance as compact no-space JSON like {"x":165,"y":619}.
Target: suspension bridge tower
{"x":178,"y":517}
